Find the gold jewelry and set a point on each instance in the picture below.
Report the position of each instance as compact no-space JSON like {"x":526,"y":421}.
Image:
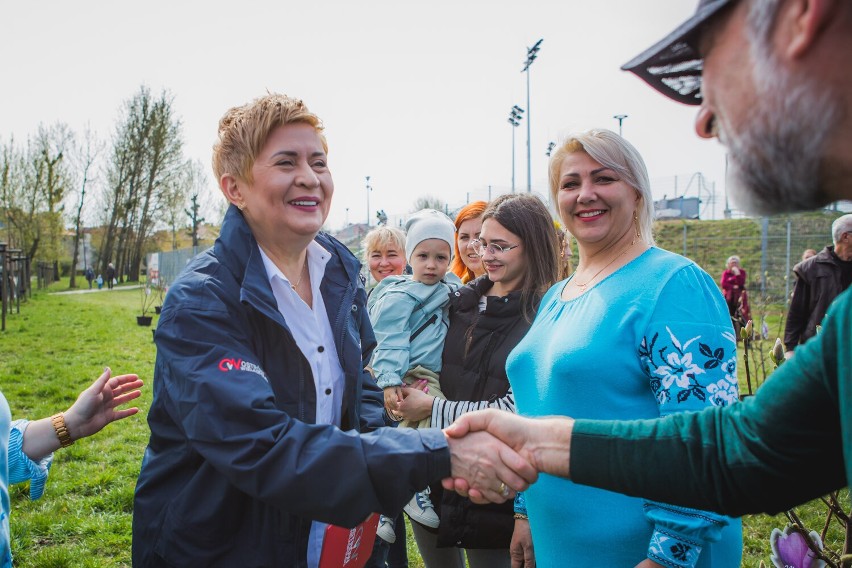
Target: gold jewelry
{"x":241,"y":206}
{"x":589,"y":281}
{"x":636,"y":222}
{"x":522,"y":516}
{"x":61,"y":429}
{"x":301,"y":274}
{"x":504,"y":491}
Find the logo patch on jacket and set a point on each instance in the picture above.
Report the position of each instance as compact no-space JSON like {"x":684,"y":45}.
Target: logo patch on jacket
{"x":226,"y":365}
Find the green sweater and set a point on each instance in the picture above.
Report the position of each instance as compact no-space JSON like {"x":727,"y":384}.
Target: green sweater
{"x":788,"y":444}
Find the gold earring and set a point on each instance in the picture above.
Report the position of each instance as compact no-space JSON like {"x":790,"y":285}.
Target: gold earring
{"x":636,"y":222}
{"x":241,"y":206}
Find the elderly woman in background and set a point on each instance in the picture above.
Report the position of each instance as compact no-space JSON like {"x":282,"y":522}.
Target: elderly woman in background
{"x":467,"y":264}
{"x":488,"y":317}
{"x":260,"y":387}
{"x":384,"y":252}
{"x":733,"y":283}
{"x":635,"y":332}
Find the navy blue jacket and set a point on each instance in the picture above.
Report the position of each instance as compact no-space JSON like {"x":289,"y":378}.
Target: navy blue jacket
{"x":235,"y":469}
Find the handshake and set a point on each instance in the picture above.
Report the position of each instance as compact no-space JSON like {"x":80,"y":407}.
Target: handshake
{"x":494,"y":453}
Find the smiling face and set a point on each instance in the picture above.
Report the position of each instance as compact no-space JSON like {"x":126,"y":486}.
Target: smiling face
{"x":429,"y":261}
{"x":595,"y":205}
{"x":289,"y":196}
{"x":389,"y":261}
{"x":506,"y":269}
{"x":469,"y":230}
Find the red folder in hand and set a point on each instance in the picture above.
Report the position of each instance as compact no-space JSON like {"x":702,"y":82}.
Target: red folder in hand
{"x":349,"y":548}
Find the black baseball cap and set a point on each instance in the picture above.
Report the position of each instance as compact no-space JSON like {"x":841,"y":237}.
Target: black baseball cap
{"x":673,"y":65}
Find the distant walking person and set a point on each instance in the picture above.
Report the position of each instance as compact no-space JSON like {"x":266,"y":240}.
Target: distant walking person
{"x":90,"y":275}
{"x":110,"y":275}
{"x":819,"y":280}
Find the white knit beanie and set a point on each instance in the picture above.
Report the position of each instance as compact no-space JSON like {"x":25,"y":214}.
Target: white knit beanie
{"x":428,"y":224}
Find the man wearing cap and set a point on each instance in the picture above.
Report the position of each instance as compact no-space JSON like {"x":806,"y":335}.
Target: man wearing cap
{"x":773,"y":82}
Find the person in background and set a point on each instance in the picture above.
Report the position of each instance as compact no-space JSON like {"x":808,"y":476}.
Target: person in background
{"x":110,"y":275}
{"x":384,"y":254}
{"x":733,"y":283}
{"x":467,"y":265}
{"x":819,"y":280}
{"x":26,"y":447}
{"x":808,"y":253}
{"x":488,"y":317}
{"x":265,"y":424}
{"x":90,"y":276}
{"x":745,"y":63}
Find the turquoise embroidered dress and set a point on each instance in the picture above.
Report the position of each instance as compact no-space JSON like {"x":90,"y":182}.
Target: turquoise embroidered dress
{"x":653,"y":338}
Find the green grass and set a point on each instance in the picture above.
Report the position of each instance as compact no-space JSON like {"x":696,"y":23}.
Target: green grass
{"x":56,"y":346}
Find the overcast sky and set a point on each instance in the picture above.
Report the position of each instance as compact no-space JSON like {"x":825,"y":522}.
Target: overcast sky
{"x":414,"y":94}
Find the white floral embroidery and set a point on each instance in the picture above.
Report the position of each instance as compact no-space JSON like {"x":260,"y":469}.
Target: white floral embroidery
{"x":678,"y":370}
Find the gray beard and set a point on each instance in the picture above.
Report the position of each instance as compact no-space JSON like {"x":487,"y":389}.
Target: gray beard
{"x":777,"y":157}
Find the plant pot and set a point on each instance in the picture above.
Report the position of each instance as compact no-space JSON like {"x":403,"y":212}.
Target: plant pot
{"x":143,"y":320}
{"x":158,"y":309}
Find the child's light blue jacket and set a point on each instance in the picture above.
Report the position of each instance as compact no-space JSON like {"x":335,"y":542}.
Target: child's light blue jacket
{"x":410,"y":322}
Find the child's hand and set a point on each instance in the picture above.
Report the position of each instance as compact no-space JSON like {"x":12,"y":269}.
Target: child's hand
{"x":393,"y":396}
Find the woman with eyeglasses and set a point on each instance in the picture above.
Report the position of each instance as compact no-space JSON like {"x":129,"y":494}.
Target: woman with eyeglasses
{"x":488,"y":317}
{"x":635,"y":332}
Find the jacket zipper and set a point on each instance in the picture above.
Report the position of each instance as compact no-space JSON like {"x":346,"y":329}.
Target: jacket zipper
{"x":422,"y":328}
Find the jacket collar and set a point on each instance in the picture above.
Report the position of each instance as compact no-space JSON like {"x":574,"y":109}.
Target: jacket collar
{"x":238,"y":251}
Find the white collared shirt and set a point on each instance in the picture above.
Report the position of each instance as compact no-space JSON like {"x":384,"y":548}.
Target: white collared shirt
{"x":312,"y":331}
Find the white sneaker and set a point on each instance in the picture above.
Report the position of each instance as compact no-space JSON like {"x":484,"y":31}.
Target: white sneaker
{"x":420,"y":509}
{"x":386,"y":530}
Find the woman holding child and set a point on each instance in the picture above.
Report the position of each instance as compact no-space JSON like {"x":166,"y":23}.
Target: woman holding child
{"x":488,"y":317}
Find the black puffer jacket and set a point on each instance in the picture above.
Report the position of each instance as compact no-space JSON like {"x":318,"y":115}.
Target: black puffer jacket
{"x":474,"y":368}
{"x":818,"y":283}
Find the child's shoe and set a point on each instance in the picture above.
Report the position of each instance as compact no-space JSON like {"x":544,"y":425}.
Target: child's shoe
{"x":386,"y":530}
{"x":420,"y":509}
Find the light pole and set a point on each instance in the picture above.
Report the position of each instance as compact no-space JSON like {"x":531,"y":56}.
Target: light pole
{"x":515,"y":116}
{"x":532,"y":53}
{"x":619,"y":118}
{"x":369,"y":189}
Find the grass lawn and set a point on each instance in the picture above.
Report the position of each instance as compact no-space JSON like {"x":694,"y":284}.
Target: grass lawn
{"x":54,"y":348}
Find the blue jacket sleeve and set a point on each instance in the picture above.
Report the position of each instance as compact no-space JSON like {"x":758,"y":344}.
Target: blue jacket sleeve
{"x":689,"y":355}
{"x":230,"y":417}
{"x":391,"y":317}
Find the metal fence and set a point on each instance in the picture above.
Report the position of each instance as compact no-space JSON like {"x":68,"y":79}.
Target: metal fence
{"x":768,"y":256}
{"x":172,"y":262}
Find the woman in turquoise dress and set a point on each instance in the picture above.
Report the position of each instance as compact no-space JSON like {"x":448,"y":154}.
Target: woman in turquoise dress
{"x":635,"y":332}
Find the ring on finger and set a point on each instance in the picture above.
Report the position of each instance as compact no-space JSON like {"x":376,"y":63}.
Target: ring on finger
{"x":504,"y":490}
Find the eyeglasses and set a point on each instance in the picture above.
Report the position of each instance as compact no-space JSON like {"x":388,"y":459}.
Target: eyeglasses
{"x":492,"y":248}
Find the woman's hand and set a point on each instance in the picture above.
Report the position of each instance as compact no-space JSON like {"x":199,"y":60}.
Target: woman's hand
{"x":416,"y":404}
{"x":96,"y":406}
{"x":521,"y":547}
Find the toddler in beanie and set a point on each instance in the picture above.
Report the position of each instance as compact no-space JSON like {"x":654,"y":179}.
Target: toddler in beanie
{"x":410,"y":317}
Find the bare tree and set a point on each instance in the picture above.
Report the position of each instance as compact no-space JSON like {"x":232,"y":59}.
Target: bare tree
{"x":85,"y":158}
{"x":55,"y":180}
{"x":428,"y":202}
{"x":145,"y":163}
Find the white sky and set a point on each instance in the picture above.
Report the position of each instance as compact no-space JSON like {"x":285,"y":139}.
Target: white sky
{"x":414,"y":94}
